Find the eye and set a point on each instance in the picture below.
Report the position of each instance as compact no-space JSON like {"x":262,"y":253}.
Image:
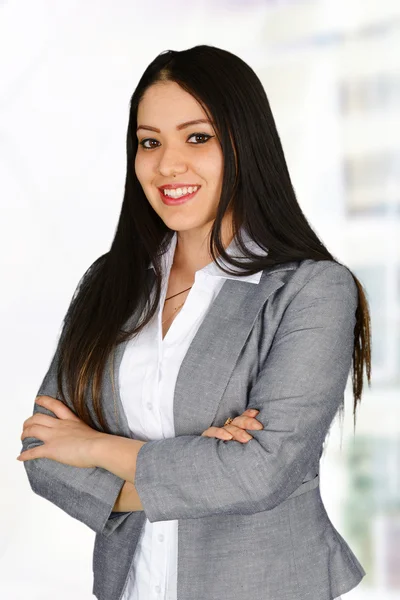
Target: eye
{"x":142,"y":143}
{"x":202,"y":135}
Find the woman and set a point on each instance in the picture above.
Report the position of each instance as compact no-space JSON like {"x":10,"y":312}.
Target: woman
{"x":216,"y":297}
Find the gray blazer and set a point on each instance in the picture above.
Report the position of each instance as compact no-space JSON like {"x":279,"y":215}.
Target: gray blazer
{"x":252,"y":523}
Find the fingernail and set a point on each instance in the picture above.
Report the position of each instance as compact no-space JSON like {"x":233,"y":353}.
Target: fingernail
{"x":253,"y":411}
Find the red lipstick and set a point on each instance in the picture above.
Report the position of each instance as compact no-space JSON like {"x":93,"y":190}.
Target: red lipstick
{"x":175,"y":201}
{"x":172,"y":186}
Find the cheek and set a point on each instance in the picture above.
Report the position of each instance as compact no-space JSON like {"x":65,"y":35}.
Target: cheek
{"x":216,"y":161}
{"x":138,"y":166}
{"x":143,"y":171}
{"x":215,"y":174}
{"x":211,"y":166}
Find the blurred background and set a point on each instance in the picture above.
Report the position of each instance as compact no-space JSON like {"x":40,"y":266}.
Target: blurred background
{"x":331,"y":70}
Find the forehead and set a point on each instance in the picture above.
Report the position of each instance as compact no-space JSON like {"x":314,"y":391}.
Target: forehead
{"x":166,"y":103}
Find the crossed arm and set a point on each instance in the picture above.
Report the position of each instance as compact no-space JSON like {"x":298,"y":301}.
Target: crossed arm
{"x":118,"y":455}
{"x":68,"y":440}
{"x":196,"y":476}
{"x":128,"y":499}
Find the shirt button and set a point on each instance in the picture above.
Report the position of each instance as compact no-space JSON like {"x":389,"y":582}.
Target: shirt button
{"x":161,"y":537}
{"x":149,"y":405}
{"x":157,"y":588}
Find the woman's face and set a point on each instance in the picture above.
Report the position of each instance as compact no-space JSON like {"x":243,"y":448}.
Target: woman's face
{"x":196,"y":160}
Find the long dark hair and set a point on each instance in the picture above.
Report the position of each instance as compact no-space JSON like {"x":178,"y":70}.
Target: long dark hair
{"x":256,"y":190}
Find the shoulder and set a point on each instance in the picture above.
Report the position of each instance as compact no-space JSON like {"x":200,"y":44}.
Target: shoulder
{"x":324,"y":271}
{"x":308,"y":280}
{"x":327,"y":282}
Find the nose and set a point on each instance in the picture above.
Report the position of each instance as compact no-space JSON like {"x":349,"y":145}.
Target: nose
{"x":171,"y":162}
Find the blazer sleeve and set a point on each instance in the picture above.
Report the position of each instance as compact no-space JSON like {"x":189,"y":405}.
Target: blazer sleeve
{"x":298,"y":392}
{"x":86,"y":494}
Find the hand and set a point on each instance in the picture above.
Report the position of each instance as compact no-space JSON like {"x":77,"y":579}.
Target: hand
{"x":67,"y":439}
{"x":235,"y":429}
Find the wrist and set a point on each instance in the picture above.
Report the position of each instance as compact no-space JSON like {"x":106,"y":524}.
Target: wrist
{"x":98,"y":448}
{"x":116,"y":454}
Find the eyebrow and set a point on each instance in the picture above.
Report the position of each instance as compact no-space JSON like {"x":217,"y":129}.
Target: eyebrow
{"x":178,"y":127}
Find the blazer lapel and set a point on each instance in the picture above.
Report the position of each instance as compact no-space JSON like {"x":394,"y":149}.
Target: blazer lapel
{"x":211,"y":356}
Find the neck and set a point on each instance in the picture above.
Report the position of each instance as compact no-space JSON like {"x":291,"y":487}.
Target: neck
{"x":191,"y":252}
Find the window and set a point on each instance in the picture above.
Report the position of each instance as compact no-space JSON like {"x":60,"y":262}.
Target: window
{"x":372,"y":183}
{"x":384,"y":302}
{"x":381,"y":91}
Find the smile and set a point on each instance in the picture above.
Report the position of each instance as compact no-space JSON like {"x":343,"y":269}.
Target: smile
{"x":169,"y":200}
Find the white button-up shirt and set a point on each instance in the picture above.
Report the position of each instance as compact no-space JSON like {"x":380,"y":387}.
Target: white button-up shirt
{"x":147,"y":377}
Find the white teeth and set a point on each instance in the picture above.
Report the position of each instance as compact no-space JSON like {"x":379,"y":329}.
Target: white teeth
{"x":177,"y":192}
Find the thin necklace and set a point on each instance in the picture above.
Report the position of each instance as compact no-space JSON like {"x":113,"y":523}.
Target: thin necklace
{"x":180,"y":306}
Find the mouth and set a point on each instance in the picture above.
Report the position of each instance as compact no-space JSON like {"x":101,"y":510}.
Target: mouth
{"x":175,"y":201}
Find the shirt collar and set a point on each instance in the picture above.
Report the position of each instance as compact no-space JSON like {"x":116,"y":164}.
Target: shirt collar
{"x":212,"y":268}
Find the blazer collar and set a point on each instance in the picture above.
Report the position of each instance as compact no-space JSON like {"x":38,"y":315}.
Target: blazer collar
{"x":199,"y":369}
{"x":213,"y":268}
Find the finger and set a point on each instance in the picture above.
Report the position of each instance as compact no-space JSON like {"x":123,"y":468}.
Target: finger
{"x":247,"y":422}
{"x":252,"y":412}
{"x":37,"y":431}
{"x":57,"y":407}
{"x":238,"y":433}
{"x":32,"y":453}
{"x":218,"y":432}
{"x":40,"y":419}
